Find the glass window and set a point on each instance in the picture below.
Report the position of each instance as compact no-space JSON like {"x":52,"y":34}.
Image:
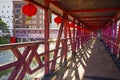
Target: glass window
{"x":18,"y":5}
{"x":17,"y":11}
{"x":16,"y":16}
{"x":7,"y":11}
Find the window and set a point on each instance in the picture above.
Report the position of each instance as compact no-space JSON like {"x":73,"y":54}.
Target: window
{"x":17,"y":11}
{"x":7,"y":11}
{"x":4,"y":6}
{"x":16,"y":16}
{"x":18,"y":5}
{"x":2,"y":11}
{"x":8,"y":6}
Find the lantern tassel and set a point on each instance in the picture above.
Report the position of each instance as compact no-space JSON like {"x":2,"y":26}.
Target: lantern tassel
{"x":28,"y":19}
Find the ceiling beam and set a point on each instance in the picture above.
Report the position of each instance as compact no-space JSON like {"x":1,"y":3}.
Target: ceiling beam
{"x":94,"y":10}
{"x":96,"y":17}
{"x":95,"y":20}
{"x":96,"y":23}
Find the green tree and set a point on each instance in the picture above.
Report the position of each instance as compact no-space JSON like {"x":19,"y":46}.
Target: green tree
{"x":3,"y":26}
{"x":4,"y":38}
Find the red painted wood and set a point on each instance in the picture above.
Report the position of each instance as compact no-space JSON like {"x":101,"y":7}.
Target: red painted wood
{"x":57,"y":45}
{"x":65,"y":36}
{"x":74,"y":39}
{"x":70,"y":36}
{"x":46,"y":35}
{"x":96,"y":17}
{"x":96,"y":20}
{"x":115,"y":35}
{"x":95,"y":10}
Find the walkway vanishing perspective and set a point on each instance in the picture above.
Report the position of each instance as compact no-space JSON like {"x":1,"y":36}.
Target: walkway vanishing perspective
{"x":92,"y":62}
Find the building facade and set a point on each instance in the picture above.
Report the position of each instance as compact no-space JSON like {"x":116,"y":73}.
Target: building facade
{"x":20,"y":20}
{"x":24,"y":27}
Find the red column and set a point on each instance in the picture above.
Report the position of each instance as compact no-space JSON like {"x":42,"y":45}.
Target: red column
{"x":65,"y":36}
{"x":115,"y":35}
{"x":57,"y":45}
{"x":46,"y":35}
{"x":118,"y":42}
{"x":74,"y":38}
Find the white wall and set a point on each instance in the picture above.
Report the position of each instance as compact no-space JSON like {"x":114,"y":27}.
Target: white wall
{"x":6,"y":8}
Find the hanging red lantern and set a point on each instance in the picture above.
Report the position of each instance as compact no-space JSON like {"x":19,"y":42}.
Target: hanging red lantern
{"x":71,"y":25}
{"x":77,"y":27}
{"x":58,"y":20}
{"x":29,"y":9}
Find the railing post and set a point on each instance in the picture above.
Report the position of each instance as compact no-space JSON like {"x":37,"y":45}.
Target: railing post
{"x":74,"y":38}
{"x":57,"y":45}
{"x":65,"y":36}
{"x":118,"y":42}
{"x":115,"y":35}
{"x":46,"y":35}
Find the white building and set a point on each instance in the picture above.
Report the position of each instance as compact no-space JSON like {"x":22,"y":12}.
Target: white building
{"x":6,"y":13}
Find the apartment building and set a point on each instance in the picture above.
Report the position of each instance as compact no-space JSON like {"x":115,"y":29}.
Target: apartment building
{"x":25,"y":28}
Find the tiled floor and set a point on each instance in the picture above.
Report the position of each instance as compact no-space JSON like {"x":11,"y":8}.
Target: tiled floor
{"x":92,"y":62}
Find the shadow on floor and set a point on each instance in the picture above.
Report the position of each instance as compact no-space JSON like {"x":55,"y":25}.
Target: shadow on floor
{"x":90,"y":63}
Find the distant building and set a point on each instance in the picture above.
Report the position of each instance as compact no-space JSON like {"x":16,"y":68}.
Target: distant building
{"x":23,"y":27}
{"x":6,"y":13}
{"x":31,"y":29}
{"x":20,"y":19}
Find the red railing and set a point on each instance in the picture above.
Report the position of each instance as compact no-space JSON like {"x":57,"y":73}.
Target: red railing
{"x":21,"y":66}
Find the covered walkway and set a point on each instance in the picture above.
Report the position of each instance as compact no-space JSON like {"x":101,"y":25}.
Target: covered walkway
{"x":92,"y":62}
{"x":75,"y":53}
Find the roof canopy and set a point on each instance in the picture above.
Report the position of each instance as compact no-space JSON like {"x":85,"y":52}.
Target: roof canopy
{"x":93,"y":13}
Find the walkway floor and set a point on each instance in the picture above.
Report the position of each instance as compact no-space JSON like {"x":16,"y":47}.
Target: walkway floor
{"x":91,"y":63}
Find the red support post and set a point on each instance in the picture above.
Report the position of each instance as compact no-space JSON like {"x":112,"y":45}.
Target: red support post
{"x":57,"y":46}
{"x":46,"y":25}
{"x":115,"y":36}
{"x":74,"y":37}
{"x":118,"y":42}
{"x":65,"y":36}
{"x":70,"y":36}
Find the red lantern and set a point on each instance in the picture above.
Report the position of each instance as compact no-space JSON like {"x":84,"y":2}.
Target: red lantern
{"x":29,"y":9}
{"x":71,"y":25}
{"x":58,"y":20}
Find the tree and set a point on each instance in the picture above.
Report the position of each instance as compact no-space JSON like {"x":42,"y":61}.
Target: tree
{"x":3,"y":26}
